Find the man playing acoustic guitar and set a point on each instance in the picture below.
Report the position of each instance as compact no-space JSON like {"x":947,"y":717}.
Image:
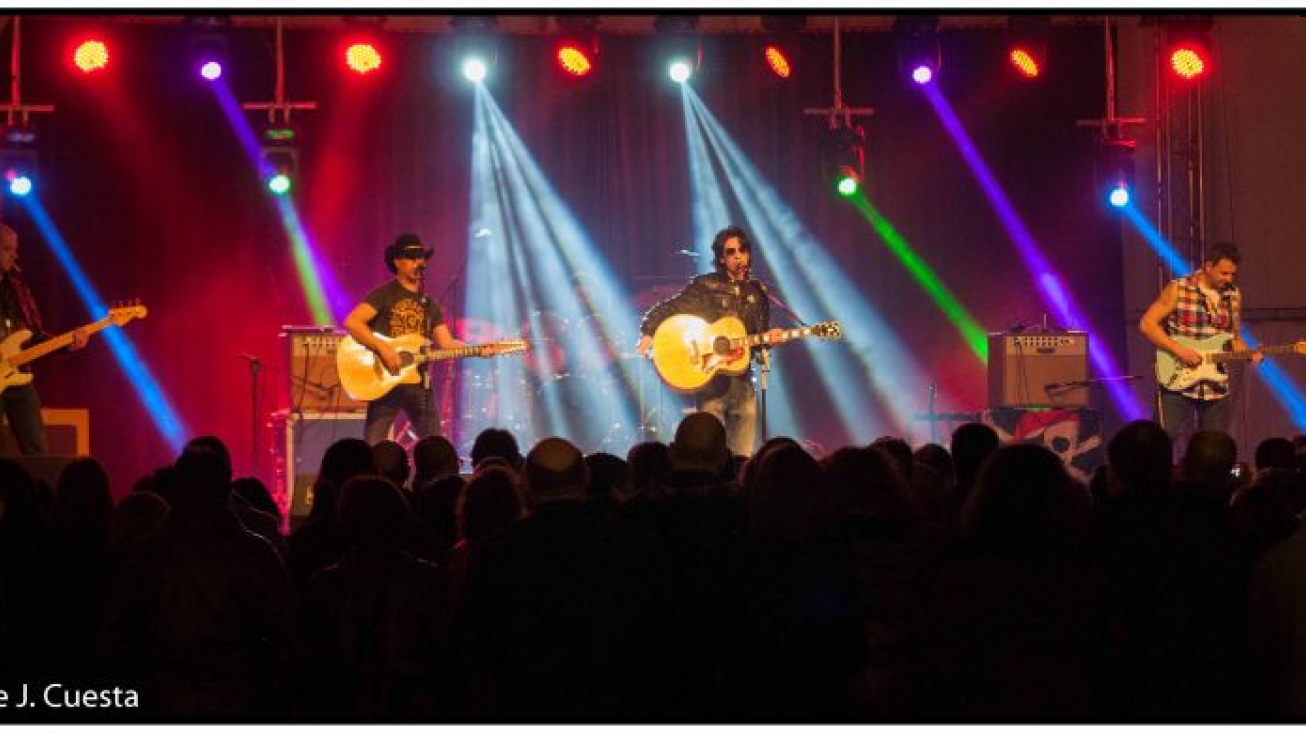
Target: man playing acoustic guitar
{"x":400,"y":308}
{"x":1190,"y":323}
{"x":728,"y":291}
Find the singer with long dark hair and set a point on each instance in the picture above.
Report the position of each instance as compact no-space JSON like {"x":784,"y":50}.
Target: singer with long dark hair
{"x":398,"y":308}
{"x":729,"y":290}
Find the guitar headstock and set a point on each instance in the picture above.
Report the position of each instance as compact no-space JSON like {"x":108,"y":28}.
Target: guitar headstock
{"x":828,"y":330}
{"x":126,"y":311}
{"x":1299,"y":348}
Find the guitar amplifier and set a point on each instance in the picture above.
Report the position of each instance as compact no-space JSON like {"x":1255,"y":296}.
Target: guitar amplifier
{"x":1038,"y":369}
{"x":310,"y":372}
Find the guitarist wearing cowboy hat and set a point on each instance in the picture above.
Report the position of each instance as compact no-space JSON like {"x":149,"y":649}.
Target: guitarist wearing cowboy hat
{"x":398,"y":308}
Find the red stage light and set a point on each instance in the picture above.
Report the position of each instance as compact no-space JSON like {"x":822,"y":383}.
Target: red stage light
{"x":778,"y":61}
{"x":91,"y":55}
{"x":1188,"y":61}
{"x":574,"y":60}
{"x":362,"y":58}
{"x":1026,"y":63}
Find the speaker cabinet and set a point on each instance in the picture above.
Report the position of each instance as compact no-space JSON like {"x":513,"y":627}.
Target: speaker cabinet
{"x":1038,"y":369}
{"x":67,"y":432}
{"x":310,"y":373}
{"x":301,"y":438}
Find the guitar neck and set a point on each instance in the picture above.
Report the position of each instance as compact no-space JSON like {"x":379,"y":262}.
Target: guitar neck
{"x":759,"y":339}
{"x":1224,"y":356}
{"x":442,"y":354}
{"x":56,"y":343}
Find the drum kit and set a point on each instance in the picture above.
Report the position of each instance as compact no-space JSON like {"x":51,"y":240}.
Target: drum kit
{"x":569,"y":384}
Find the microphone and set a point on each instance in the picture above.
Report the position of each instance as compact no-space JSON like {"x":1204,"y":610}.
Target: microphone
{"x":250,"y":358}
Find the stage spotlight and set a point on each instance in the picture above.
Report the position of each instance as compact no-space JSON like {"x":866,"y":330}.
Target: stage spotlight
{"x":1027,"y":44}
{"x":1117,"y":177}
{"x":780,"y":43}
{"x":680,"y":70}
{"x":577,"y":49}
{"x":280,"y":162}
{"x":846,"y":158}
{"x":18,"y":159}
{"x":474,"y":45}
{"x":917,"y":41}
{"x":363,"y":57}
{"x":1188,"y":47}
{"x":208,"y":45}
{"x":475,"y":69}
{"x":679,"y":45}
{"x":91,"y":55}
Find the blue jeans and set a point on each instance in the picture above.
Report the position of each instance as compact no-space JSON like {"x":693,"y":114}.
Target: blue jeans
{"x":735,"y":404}
{"x":22,"y":407}
{"x":413,"y":400}
{"x":1182,"y":416}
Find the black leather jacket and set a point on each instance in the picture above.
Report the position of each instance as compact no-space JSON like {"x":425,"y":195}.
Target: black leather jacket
{"x":713,"y":296}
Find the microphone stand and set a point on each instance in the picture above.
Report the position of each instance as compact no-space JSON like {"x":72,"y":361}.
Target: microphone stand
{"x":761,"y":398}
{"x":934,"y":416}
{"x":426,"y":322}
{"x":255,"y":364}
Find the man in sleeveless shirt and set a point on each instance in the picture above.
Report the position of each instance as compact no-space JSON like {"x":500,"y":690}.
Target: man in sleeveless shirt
{"x":1201,"y":305}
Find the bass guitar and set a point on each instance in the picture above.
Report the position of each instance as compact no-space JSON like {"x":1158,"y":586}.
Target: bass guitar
{"x":364,"y":377}
{"x":1216,"y":351}
{"x":688,"y":351}
{"x":13,"y":356}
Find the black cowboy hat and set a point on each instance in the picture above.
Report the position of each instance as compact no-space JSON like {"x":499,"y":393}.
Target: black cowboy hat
{"x":407,"y":246}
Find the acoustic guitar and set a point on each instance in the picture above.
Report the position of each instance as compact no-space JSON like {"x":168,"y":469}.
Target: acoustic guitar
{"x":688,"y":351}
{"x":364,"y":377}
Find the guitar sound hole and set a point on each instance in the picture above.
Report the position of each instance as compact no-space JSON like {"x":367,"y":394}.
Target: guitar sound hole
{"x":721,"y":345}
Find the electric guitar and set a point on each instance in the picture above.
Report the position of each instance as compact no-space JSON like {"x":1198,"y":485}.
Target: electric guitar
{"x":1215,"y":350}
{"x":688,"y":351}
{"x":13,"y":356}
{"x":364,"y":377}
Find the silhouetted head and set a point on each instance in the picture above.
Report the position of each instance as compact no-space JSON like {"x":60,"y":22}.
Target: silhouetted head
{"x":490,"y":501}
{"x":1139,"y":457}
{"x":1209,"y":458}
{"x":433,"y":456}
{"x":555,"y":471}
{"x":649,"y":461}
{"x":496,"y":442}
{"x":1276,"y":453}
{"x":391,"y":462}
{"x":789,"y":499}
{"x":1026,"y":499}
{"x":700,"y":444}
{"x":372,"y":512}
{"x":214,"y":445}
